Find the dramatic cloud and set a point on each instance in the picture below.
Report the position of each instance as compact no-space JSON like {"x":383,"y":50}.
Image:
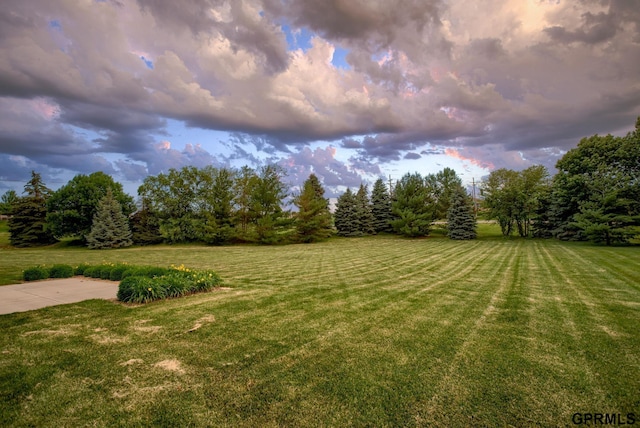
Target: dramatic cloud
{"x":341,"y":88}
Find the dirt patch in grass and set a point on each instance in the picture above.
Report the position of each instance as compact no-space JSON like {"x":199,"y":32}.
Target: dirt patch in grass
{"x":170,"y":365}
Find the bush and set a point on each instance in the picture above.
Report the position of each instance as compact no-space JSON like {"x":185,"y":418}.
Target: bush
{"x":35,"y":273}
{"x":79,"y":270}
{"x":117,"y":271}
{"x":92,"y":272}
{"x":175,"y":285}
{"x":148,"y":271}
{"x":60,"y":271}
{"x":140,"y":289}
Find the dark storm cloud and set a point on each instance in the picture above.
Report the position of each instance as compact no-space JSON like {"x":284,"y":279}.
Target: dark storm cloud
{"x":510,"y":76}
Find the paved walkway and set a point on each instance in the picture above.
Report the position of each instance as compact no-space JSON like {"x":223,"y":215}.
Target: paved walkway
{"x":39,"y":294}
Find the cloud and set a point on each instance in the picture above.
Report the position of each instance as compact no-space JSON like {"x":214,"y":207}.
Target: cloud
{"x":87,"y":85}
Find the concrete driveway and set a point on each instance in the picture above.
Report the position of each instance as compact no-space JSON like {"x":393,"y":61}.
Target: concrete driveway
{"x":39,"y":294}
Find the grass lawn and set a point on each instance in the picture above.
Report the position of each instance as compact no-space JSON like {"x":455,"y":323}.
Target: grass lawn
{"x":377,"y":331}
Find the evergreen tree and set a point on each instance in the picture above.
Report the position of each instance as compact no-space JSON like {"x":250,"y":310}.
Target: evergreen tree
{"x":381,"y":207}
{"x":313,"y":219}
{"x":412,"y":207}
{"x":346,"y":216}
{"x":461,"y":223}
{"x":110,"y":228}
{"x":363,"y":207}
{"x":27,"y":225}
{"x":145,"y":227}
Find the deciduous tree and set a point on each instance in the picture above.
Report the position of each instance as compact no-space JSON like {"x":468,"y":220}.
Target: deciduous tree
{"x":72,"y":207}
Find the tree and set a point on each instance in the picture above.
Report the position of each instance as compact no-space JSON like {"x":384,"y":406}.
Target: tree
{"x":192,"y":204}
{"x":412,"y":206}
{"x":346,"y":217}
{"x":443,"y":186}
{"x":596,"y":193}
{"x":381,"y":207}
{"x":7,"y":200}
{"x":145,"y":228}
{"x":266,"y":202}
{"x":461,"y":222}
{"x":27,"y":225}
{"x":72,"y":207}
{"x":313,"y":219}
{"x":243,"y":185}
{"x":363,"y":208}
{"x":110,"y":228}
{"x":513,"y":197}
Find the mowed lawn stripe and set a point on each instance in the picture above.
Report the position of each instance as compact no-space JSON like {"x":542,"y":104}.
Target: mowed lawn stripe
{"x":377,"y":331}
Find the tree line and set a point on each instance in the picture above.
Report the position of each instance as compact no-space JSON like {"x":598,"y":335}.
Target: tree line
{"x":595,"y":195}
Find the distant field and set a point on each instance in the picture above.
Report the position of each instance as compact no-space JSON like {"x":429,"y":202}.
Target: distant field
{"x":378,"y":331}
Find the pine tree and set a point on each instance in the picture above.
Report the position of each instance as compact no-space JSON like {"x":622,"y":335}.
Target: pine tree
{"x":27,"y":225}
{"x":145,"y":227}
{"x":381,"y":207}
{"x":412,"y":207}
{"x":110,"y":228}
{"x":313,"y":219}
{"x":363,"y":207}
{"x":346,"y":215}
{"x":461,"y":223}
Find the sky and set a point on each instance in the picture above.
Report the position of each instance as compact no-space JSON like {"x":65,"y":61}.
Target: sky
{"x":351,"y":90}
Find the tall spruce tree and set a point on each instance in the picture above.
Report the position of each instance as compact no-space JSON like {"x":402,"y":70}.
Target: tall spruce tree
{"x":363,"y":207}
{"x":27,"y":224}
{"x":346,"y":217}
{"x":110,"y":228}
{"x":412,"y":207}
{"x":461,"y":223}
{"x":145,"y":227}
{"x":381,"y":207}
{"x":313,"y":219}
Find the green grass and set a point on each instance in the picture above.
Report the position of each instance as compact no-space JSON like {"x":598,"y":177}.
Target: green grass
{"x":378,"y":331}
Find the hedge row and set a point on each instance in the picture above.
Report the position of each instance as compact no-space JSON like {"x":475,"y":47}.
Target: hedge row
{"x":138,"y":284}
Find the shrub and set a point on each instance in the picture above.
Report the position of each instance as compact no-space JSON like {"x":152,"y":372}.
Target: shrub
{"x":175,"y":285}
{"x":148,"y":271}
{"x":117,"y":271}
{"x":60,"y":271}
{"x":92,"y":272}
{"x":79,"y":270}
{"x":105,"y":271}
{"x":140,"y":289}
{"x":35,"y":273}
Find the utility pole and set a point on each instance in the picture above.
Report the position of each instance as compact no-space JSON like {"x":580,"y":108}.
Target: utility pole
{"x":475,"y":206}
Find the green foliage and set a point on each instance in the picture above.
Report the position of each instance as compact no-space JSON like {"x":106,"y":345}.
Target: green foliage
{"x":381,"y":207}
{"x":412,"y":207}
{"x":596,"y":193}
{"x":313,"y":219}
{"x":140,"y":289}
{"x":35,"y":273}
{"x":116,"y":271}
{"x":61,"y":271}
{"x":513,"y":198}
{"x":79,"y":270}
{"x":461,"y":223}
{"x":71,"y":208}
{"x":27,"y":224}
{"x":8,"y":199}
{"x":141,"y":284}
{"x":364,"y":213}
{"x":442,"y":186}
{"x":110,"y":228}
{"x":145,"y":227}
{"x":266,"y":201}
{"x":346,"y":218}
